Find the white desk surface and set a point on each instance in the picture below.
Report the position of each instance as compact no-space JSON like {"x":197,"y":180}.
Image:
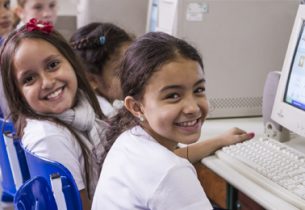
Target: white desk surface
{"x":257,"y":193}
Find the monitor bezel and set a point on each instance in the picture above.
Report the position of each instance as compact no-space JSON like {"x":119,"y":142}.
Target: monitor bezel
{"x":283,"y":113}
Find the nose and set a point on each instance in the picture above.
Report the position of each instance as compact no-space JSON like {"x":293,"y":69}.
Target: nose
{"x":191,"y":105}
{"x":47,"y":81}
{"x":46,"y":14}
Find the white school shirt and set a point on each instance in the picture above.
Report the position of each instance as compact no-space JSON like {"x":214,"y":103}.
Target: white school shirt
{"x":55,"y":142}
{"x":139,"y":173}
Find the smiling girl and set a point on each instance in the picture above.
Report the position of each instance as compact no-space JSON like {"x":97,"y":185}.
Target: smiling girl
{"x":163,"y":84}
{"x":52,"y":105}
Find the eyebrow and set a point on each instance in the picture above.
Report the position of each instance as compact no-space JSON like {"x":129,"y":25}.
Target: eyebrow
{"x":179,"y":86}
{"x":51,"y":57}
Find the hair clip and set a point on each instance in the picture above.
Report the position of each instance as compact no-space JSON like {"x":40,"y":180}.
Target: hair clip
{"x":102,"y":40}
{"x":39,"y":25}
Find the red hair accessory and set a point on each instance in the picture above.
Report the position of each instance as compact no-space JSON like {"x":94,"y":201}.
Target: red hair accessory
{"x":39,"y":25}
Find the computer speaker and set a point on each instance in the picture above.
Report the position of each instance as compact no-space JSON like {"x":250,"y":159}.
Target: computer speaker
{"x":271,"y":128}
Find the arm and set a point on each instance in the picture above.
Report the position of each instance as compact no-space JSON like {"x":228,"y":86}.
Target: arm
{"x":201,"y":149}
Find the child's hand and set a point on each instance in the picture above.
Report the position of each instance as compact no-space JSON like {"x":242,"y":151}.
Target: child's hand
{"x":234,"y":135}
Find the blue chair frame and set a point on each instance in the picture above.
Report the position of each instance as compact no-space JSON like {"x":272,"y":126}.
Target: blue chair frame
{"x":13,"y":169}
{"x":35,"y":194}
{"x":39,"y":166}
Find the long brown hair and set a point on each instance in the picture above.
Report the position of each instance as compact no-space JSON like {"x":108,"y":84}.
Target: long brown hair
{"x":19,"y":108}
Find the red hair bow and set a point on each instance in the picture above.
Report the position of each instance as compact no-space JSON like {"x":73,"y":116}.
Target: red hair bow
{"x":39,"y":25}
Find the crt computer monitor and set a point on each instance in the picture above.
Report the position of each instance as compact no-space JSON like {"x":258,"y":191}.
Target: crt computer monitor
{"x":289,"y":105}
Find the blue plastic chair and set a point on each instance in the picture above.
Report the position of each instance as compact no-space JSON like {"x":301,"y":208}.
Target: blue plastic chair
{"x":12,"y":162}
{"x":39,"y":166}
{"x":35,"y":194}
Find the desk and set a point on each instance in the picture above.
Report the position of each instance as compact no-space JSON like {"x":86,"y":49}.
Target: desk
{"x":263,"y":197}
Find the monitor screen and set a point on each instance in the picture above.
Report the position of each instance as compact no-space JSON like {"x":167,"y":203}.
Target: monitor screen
{"x":289,"y":104}
{"x":295,"y":90}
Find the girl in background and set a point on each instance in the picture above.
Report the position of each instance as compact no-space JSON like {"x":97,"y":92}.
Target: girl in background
{"x":53,"y":107}
{"x":6,"y":26}
{"x":45,"y":10}
{"x":6,"y":19}
{"x":102,"y":46}
{"x":163,"y":86}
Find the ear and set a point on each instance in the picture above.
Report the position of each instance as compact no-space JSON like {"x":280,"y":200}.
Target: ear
{"x":92,"y":80}
{"x":133,"y":106}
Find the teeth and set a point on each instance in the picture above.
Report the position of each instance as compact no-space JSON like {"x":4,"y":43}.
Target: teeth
{"x":54,"y":94}
{"x":188,"y":124}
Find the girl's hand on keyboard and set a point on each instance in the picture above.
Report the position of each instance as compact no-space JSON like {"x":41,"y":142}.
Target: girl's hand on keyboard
{"x":233,"y":136}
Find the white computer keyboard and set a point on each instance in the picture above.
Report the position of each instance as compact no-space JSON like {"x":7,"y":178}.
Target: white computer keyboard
{"x":271,"y":164}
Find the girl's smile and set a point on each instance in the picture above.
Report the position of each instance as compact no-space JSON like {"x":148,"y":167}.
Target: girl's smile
{"x":190,"y":126}
{"x":55,"y":95}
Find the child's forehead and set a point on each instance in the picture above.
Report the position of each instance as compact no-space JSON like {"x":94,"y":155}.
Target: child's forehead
{"x":23,"y":2}
{"x":177,"y":72}
{"x":33,"y":48}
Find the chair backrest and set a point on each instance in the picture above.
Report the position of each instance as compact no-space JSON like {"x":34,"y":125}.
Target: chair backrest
{"x":39,"y":166}
{"x":35,"y":194}
{"x":12,"y":161}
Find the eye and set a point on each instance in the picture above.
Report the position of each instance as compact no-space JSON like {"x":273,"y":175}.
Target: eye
{"x":200,"y":90}
{"x":173,"y":96}
{"x":28,"y":80}
{"x":53,"y":65}
{"x":38,"y":7}
{"x":7,"y":5}
{"x":52,"y":5}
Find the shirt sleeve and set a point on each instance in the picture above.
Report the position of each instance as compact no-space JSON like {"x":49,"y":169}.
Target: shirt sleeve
{"x":61,"y":147}
{"x":181,"y":190}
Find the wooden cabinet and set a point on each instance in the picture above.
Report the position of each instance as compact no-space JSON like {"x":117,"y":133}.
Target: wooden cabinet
{"x":214,"y":186}
{"x":245,"y":203}
{"x":217,"y":190}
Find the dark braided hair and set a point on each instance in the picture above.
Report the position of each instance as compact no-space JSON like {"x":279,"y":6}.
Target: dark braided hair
{"x":87,"y":44}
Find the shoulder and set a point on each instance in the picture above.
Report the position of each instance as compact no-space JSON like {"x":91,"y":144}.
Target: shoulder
{"x":44,"y":128}
{"x":55,"y":142}
{"x":137,"y":137}
{"x":136,"y":146}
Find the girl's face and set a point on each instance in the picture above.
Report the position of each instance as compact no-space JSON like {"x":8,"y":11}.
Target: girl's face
{"x":40,"y":9}
{"x":108,"y":83}
{"x":44,"y":77}
{"x":6,"y":17}
{"x":175,"y":104}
